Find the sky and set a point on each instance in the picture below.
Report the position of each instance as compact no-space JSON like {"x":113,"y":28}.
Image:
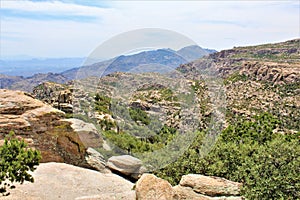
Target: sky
{"x":75,"y":28}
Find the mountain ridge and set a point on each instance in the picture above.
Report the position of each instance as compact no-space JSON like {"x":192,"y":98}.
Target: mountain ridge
{"x":156,"y":60}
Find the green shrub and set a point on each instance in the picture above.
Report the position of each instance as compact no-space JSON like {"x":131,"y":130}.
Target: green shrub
{"x":102,"y":104}
{"x":15,"y":162}
{"x":138,"y":114}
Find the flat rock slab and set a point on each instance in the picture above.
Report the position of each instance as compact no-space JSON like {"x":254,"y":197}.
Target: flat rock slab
{"x":210,"y":185}
{"x":61,"y":181}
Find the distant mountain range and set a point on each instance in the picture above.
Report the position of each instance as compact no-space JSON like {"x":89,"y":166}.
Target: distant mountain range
{"x":29,"y":67}
{"x":54,"y":70}
{"x":160,"y":60}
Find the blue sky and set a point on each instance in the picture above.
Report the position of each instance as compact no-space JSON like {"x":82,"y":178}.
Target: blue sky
{"x":74,"y":28}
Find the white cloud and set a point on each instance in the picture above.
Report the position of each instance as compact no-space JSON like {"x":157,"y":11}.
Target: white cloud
{"x":54,"y":7}
{"x":215,"y":24}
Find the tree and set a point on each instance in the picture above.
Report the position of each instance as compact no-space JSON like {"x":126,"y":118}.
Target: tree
{"x":16,"y":159}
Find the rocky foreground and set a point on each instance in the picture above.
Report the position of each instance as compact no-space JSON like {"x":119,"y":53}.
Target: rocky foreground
{"x":54,"y":181}
{"x":62,"y":181}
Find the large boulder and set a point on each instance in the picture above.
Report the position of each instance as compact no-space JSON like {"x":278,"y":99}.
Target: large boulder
{"x":210,"y":185}
{"x":40,"y":124}
{"x":149,"y":187}
{"x":62,"y":181}
{"x":87,"y":132}
{"x":96,"y":160}
{"x":126,"y":165}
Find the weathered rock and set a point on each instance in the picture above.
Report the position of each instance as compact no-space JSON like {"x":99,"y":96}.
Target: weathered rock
{"x":62,"y":181}
{"x":87,"y":132}
{"x":211,"y":186}
{"x":127,"y":165}
{"x":149,"y":187}
{"x":187,"y":193}
{"x":40,"y":123}
{"x":96,"y":160}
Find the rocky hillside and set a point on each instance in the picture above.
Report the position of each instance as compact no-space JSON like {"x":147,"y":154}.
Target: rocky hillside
{"x":257,"y":79}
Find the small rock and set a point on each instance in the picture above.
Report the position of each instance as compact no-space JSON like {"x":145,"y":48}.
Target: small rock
{"x":127,"y":165}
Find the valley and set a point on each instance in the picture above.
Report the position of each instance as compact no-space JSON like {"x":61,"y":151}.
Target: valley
{"x":233,"y":114}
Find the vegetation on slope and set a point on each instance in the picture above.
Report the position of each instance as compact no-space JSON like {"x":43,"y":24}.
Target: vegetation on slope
{"x":133,"y":144}
{"x":267,"y":163}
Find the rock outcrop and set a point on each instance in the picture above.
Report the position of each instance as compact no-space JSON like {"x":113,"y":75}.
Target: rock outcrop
{"x":277,"y":73}
{"x":126,"y":165}
{"x":191,"y":187}
{"x":41,"y":126}
{"x":62,"y":181}
{"x":57,"y":95}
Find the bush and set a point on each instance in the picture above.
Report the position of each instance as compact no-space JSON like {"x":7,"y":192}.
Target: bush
{"x":267,"y":163}
{"x":15,"y":162}
{"x":133,"y":144}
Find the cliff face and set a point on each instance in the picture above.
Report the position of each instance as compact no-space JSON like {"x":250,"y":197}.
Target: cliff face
{"x":41,"y":126}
